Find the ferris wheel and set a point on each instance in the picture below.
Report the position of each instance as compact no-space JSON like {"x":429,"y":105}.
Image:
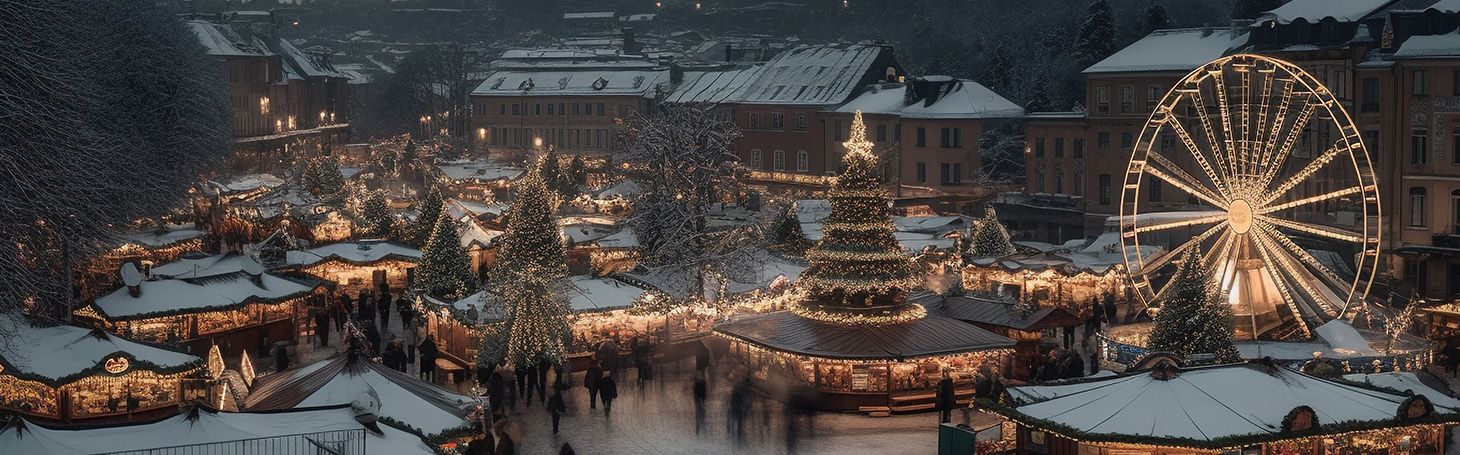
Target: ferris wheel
{"x":1269,"y":182}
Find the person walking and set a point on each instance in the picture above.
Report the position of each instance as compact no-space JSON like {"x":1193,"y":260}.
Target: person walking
{"x":382,"y":306}
{"x":394,"y":356}
{"x":543,"y":367}
{"x":322,"y":325}
{"x":281,"y":357}
{"x":947,"y":400}
{"x":1452,"y":358}
{"x":342,"y":312}
{"x":591,"y":379}
{"x":1111,"y":314}
{"x":495,"y":388}
{"x":526,"y":382}
{"x":362,"y":306}
{"x":556,"y":408}
{"x":608,"y":389}
{"x":428,"y":353}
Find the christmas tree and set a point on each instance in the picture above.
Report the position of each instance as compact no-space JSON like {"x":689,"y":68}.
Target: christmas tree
{"x":321,"y":176}
{"x":445,"y":269}
{"x":786,"y":234}
{"x":578,"y":170}
{"x":1193,"y":318}
{"x":427,"y":213}
{"x":530,"y":270}
{"x":551,"y":170}
{"x":858,"y":269}
{"x":375,"y":217}
{"x":989,"y":238}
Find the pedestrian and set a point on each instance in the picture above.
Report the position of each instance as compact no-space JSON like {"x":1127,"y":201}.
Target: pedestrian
{"x":560,"y":377}
{"x":701,"y":391}
{"x":482,"y":445}
{"x":1069,"y":336}
{"x":509,"y":378}
{"x":322,"y":326}
{"x":946,"y":398}
{"x":522,"y":381}
{"x":495,"y":390}
{"x":1094,"y":361}
{"x":591,"y":379}
{"x":556,"y":408}
{"x":702,"y":356}
{"x":428,"y":353}
{"x":372,"y":336}
{"x":542,"y":374}
{"x":382,"y":306}
{"x":505,"y":446}
{"x":1074,"y":367}
{"x":407,"y":313}
{"x":362,"y":306}
{"x":281,"y":357}
{"x":567,"y":450}
{"x":1452,"y":359}
{"x":342,"y":311}
{"x":1110,"y":311}
{"x":608,"y":390}
{"x":395,"y":356}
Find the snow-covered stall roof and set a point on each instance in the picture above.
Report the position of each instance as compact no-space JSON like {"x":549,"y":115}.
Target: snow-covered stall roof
{"x":474,"y":233}
{"x":814,"y":74}
{"x":175,"y":296}
{"x":460,"y":208}
{"x":604,"y":82}
{"x":1445,"y":6}
{"x":1409,"y":382}
{"x":353,"y":253}
{"x":58,"y":354}
{"x":714,"y":86}
{"x":199,"y":266}
{"x":589,"y":294}
{"x":623,"y":190}
{"x":624,"y":238}
{"x":963,"y":99}
{"x":1430,"y":46}
{"x":250,"y":182}
{"x":477,"y":170}
{"x":1208,"y":405}
{"x":208,"y":428}
{"x":346,"y":378}
{"x":928,"y":336}
{"x":220,"y":40}
{"x":173,"y":234}
{"x":1313,"y":11}
{"x":1169,"y":50}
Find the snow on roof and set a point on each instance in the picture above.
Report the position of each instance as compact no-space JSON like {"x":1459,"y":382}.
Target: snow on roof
{"x":1435,"y":389}
{"x":590,"y":15}
{"x":1169,"y":50}
{"x":715,"y":86}
{"x":251,"y":182}
{"x":307,"y":64}
{"x":477,"y":170}
{"x":201,"y":266}
{"x":580,"y":233}
{"x":1430,"y":46}
{"x":353,"y":252}
{"x":1446,"y":6}
{"x":813,"y":75}
{"x":928,"y":224}
{"x":220,"y":40}
{"x":600,"y":294}
{"x":572,"y":83}
{"x":403,"y":398}
{"x":1344,"y":339}
{"x":623,"y":189}
{"x":1203,"y":404}
{"x":61,"y":353}
{"x":964,"y":99}
{"x":1312,"y":11}
{"x":174,"y":233}
{"x":474,"y":233}
{"x":461,"y":208}
{"x":638,"y":17}
{"x":169,"y":296}
{"x":624,"y":238}
{"x":211,"y":427}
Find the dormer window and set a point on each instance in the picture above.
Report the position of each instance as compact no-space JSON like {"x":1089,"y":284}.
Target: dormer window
{"x":600,"y":84}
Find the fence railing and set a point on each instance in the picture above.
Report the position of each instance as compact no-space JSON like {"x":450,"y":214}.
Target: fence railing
{"x":337,"y":442}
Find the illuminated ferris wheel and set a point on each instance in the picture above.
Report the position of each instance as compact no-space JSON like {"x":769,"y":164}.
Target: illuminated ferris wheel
{"x":1253,"y":164}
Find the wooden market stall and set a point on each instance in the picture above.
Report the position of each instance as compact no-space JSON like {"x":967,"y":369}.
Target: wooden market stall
{"x":1003,"y":318}
{"x":69,"y":375}
{"x":355,"y":266}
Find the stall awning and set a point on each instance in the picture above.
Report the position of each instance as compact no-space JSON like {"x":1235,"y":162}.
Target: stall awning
{"x":998,"y":313}
{"x":930,"y":336}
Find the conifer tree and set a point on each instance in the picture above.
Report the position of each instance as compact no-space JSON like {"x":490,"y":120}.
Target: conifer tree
{"x":375,"y":217}
{"x":989,"y":238}
{"x":551,"y":170}
{"x":529,"y":274}
{"x":321,"y":176}
{"x":428,"y":210}
{"x":1097,"y":35}
{"x":1039,"y":99}
{"x":786,"y":235}
{"x":578,"y":170}
{"x":1156,"y":19}
{"x":445,"y":268}
{"x":1193,"y":318}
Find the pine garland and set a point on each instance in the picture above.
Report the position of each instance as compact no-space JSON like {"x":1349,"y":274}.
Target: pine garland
{"x":445,"y":269}
{"x":530,"y":272}
{"x":1193,"y":318}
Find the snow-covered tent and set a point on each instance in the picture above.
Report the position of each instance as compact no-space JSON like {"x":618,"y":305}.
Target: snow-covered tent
{"x":195,"y":308}
{"x":1223,"y":407}
{"x":347,"y":378}
{"x":310,"y":430}
{"x":355,"y":265}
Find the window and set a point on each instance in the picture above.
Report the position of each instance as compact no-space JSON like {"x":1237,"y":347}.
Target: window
{"x":897,"y":132}
{"x":1418,"y":146}
{"x":755,"y":159}
{"x":1370,"y":98}
{"x":502,"y":109}
{"x":1102,"y":99}
{"x":1455,"y":212}
{"x":778,"y":121}
{"x":1417,"y":206}
{"x":1079,"y":152}
{"x":957,"y":173}
{"x":1455,"y":139}
{"x":945,"y":174}
{"x":1155,"y":191}
{"x":800,"y":122}
{"x":922,"y":172}
{"x":1371,"y":142}
{"x":803,"y":162}
{"x":1102,"y":139}
{"x":881,"y":133}
{"x":1059,"y":147}
{"x":1153,"y":96}
{"x":537,"y":108}
{"x":1104,"y":189}
{"x":778,"y":160}
{"x":562,"y":109}
{"x":958,"y":137}
{"x":922,"y":137}
{"x":551,"y":111}
{"x":1077,"y":184}
{"x":755,"y":120}
{"x":1127,"y":99}
{"x":1338,"y":84}
{"x":945,"y":137}
{"x":1059,"y":181}
{"x":600,"y":109}
{"x":1039,"y":180}
{"x":1126,"y":139}
{"x":1039,"y":147}
{"x":1421,"y":83}
{"x":516,"y":109}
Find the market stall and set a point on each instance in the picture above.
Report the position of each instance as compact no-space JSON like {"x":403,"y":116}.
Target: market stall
{"x":1034,"y":334}
{"x":354,"y":266}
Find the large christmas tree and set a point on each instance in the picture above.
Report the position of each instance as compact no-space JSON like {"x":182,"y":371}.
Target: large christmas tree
{"x":989,"y":238}
{"x":445,"y":269}
{"x":858,"y":270}
{"x":428,"y":211}
{"x":529,"y":276}
{"x":1193,"y":318}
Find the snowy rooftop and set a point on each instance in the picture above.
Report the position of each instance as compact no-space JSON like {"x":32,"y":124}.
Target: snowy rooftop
{"x":715,"y":86}
{"x":1169,"y":50}
{"x":60,"y":353}
{"x":473,"y":232}
{"x":201,"y":266}
{"x":1431,"y":387}
{"x":477,"y":170}
{"x":624,"y":238}
{"x":929,"y":336}
{"x":1431,"y":46}
{"x":166,"y":297}
{"x":622,"y":190}
{"x":600,"y":294}
{"x":813,"y":75}
{"x":211,"y":427}
{"x":342,"y":380}
{"x":964,"y":99}
{"x":461,"y":208}
{"x":1312,"y":11}
{"x":220,"y":40}
{"x":353,"y":252}
{"x":1203,"y":405}
{"x":571,"y":83}
{"x":307,"y":64}
{"x":175,"y":233}
{"x":590,"y":15}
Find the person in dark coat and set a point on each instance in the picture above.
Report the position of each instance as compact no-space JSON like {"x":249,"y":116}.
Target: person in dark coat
{"x":505,"y":446}
{"x":947,"y":399}
{"x":428,"y":353}
{"x":1452,"y":358}
{"x":543,"y":367}
{"x":591,"y":379}
{"x":382,"y":306}
{"x":1094,"y":361}
{"x":496,"y":390}
{"x":394,"y":357}
{"x":362,"y":306}
{"x":481,"y":446}
{"x":556,"y":408}
{"x":407,"y":313}
{"x":342,"y":312}
{"x":281,"y":357}
{"x":1110,"y":311}
{"x":526,"y":382}
{"x":372,"y":336}
{"x":608,"y":390}
{"x":322,"y":326}
{"x":1069,"y":336}
{"x":1074,"y":367}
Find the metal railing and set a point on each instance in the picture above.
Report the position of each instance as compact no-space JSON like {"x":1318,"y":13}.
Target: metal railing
{"x":337,"y":442}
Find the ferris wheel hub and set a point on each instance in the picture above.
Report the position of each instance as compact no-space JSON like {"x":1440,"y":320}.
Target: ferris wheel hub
{"x":1239,"y":215}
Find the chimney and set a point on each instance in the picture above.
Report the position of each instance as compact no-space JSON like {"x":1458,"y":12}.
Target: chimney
{"x":676,"y":74}
{"x":631,"y":45}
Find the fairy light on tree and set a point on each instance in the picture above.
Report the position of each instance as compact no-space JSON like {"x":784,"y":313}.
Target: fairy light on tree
{"x":445,"y":270}
{"x":858,"y":269}
{"x":1193,"y":318}
{"x":530,"y":272}
{"x":989,"y":238}
{"x":427,"y":212}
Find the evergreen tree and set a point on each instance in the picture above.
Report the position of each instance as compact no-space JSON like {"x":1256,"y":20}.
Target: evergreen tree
{"x":321,"y":176}
{"x":578,"y":171}
{"x":445,"y":269}
{"x":1039,"y":99}
{"x":375,"y":217}
{"x":530,"y":270}
{"x":1193,"y":318}
{"x":1097,"y":35}
{"x":428,"y":211}
{"x":1250,"y":9}
{"x":858,"y":266}
{"x":551,"y":170}
{"x":989,"y":238}
{"x":1000,"y":63}
{"x":786,"y":235}
{"x":1156,"y":19}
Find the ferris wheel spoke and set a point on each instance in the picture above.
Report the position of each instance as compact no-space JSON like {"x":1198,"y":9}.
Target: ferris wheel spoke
{"x":1322,"y":231}
{"x":1279,"y":157}
{"x":1312,"y":199}
{"x":1271,"y":136}
{"x":1172,"y":254}
{"x":1197,"y":221}
{"x":1258,"y":138}
{"x":1304,"y":256}
{"x":1231,"y":154}
{"x":1211,"y":137}
{"x":1302,"y":175}
{"x":1289,"y":262}
{"x":1219,"y":249}
{"x":1282,"y":285}
{"x":1201,"y":160}
{"x":1173,"y":174}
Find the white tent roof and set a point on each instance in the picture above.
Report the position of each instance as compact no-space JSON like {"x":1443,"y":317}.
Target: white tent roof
{"x":1169,"y":50}
{"x":214,"y":265}
{"x":62,"y":351}
{"x":352,"y":252}
{"x":161,"y":297}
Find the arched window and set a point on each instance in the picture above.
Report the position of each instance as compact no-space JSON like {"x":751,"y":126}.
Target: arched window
{"x":778,"y":160}
{"x":802,"y":161}
{"x":1417,"y":206}
{"x":755,"y":159}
